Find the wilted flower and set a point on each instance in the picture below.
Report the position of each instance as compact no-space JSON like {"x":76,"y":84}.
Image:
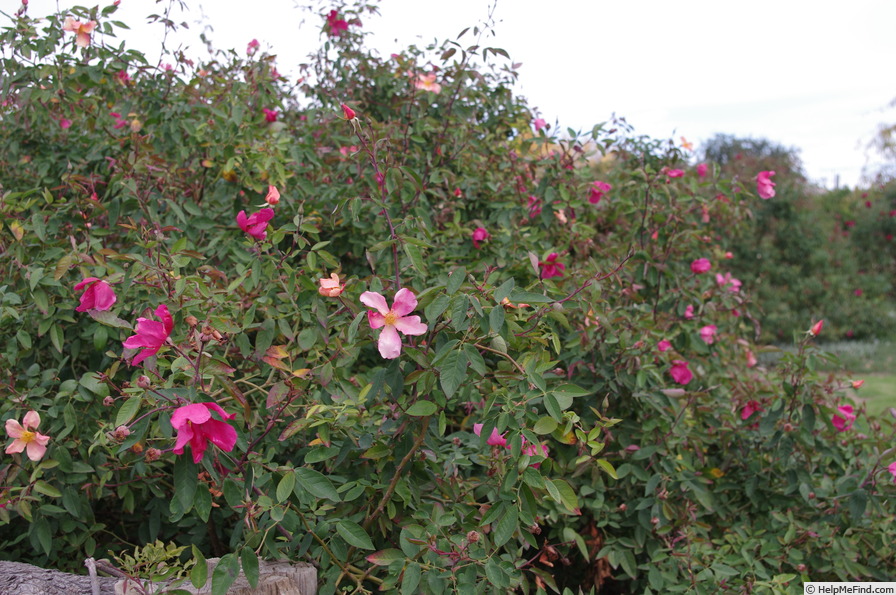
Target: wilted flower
{"x":150,"y":335}
{"x":97,"y":295}
{"x":393,"y":320}
{"x":330,"y":287}
{"x":844,"y":418}
{"x":256,"y":223}
{"x":196,"y":426}
{"x":534,"y":206}
{"x":81,"y":30}
{"x":26,"y":437}
{"x":764,"y":185}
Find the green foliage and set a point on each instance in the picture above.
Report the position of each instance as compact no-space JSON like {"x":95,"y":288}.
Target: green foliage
{"x":373,"y":467}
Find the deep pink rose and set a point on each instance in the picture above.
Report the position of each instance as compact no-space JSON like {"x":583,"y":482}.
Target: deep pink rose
{"x":97,"y":295}
{"x":480,"y":234}
{"x":749,"y":409}
{"x":598,"y":191}
{"x":337,"y":26}
{"x":550,"y":267}
{"x":494,"y":439}
{"x":674,"y":173}
{"x":844,"y":418}
{"x":196,"y":426}
{"x":393,"y":320}
{"x":256,"y":223}
{"x":701,"y":170}
{"x":270,"y":115}
{"x":764,"y":185}
{"x":150,"y":335}
{"x":680,"y":372}
{"x":701,"y":265}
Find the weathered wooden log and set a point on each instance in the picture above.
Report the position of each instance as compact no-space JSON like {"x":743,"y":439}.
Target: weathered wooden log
{"x":275,"y":578}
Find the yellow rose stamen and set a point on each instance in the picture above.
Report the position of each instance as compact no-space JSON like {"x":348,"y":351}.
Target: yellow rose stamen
{"x":390,"y":318}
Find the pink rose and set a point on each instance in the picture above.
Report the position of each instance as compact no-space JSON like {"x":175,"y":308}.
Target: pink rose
{"x":81,"y":30}
{"x":764,"y":185}
{"x":26,"y":437}
{"x":701,"y":170}
{"x":674,"y":173}
{"x":97,"y":295}
{"x":256,"y":223}
{"x":708,"y":334}
{"x":844,"y":418}
{"x":550,"y":267}
{"x":701,"y":265}
{"x":664,"y":346}
{"x":196,"y":426}
{"x":150,"y":335}
{"x":494,"y":439}
{"x":539,"y":123}
{"x":680,"y":372}
{"x":749,"y":409}
{"x":270,"y":115}
{"x":689,"y":312}
{"x":393,"y":320}
{"x":598,"y":191}
{"x":480,"y":234}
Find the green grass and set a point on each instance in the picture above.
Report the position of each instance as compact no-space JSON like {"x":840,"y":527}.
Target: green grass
{"x":875,"y":363}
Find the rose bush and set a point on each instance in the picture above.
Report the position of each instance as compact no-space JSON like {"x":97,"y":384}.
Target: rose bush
{"x":508,"y":422}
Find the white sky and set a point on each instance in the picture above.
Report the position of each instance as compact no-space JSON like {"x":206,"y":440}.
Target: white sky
{"x":811,"y":74}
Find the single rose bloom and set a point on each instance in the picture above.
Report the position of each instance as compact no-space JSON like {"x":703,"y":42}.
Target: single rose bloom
{"x":81,"y":30}
{"x":701,"y":265}
{"x":844,"y":418}
{"x":816,"y":328}
{"x":330,"y":287}
{"x":664,"y":345}
{"x":97,"y":295}
{"x":494,"y":439}
{"x":674,"y":173}
{"x":550,"y":267}
{"x":764,"y":185}
{"x":680,"y":372}
{"x":270,"y":115}
{"x":708,"y":334}
{"x":701,"y":170}
{"x":393,"y":320}
{"x":348,"y":112}
{"x":256,"y":223}
{"x":749,"y":409}
{"x":150,"y":335}
{"x":273,"y":196}
{"x":480,"y":234}
{"x":26,"y":437}
{"x":539,"y":123}
{"x":598,"y":191}
{"x":196,"y":426}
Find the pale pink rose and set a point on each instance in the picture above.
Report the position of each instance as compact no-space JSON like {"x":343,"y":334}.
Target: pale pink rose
{"x":393,"y":320}
{"x":26,"y":437}
{"x":751,"y":359}
{"x":708,"y":334}
{"x":539,"y":123}
{"x":857,"y":384}
{"x":330,"y":287}
{"x":764,"y":185}
{"x":81,"y":30}
{"x":427,"y":82}
{"x":689,"y":312}
{"x":273,"y":196}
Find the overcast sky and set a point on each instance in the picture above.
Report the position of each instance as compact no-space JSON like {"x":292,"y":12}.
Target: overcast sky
{"x":816,"y":75}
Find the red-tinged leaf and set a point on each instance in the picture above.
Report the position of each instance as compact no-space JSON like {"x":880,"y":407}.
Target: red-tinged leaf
{"x":276,"y":394}
{"x":276,"y":352}
{"x":385,"y":557}
{"x":276,"y":363}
